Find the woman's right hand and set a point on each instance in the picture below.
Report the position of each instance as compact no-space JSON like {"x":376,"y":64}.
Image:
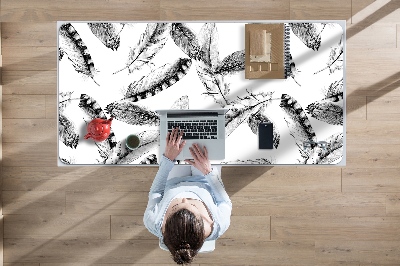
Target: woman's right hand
{"x":200,"y":159}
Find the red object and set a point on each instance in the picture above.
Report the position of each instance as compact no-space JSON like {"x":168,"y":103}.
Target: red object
{"x":99,"y":129}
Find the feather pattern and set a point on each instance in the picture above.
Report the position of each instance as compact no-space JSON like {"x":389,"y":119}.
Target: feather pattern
{"x":107,"y":33}
{"x":67,"y":132}
{"x":233,"y":63}
{"x":308,"y":34}
{"x":332,"y":152}
{"x":242,"y":108}
{"x":257,"y":118}
{"x":76,"y":50}
{"x":335,"y":61}
{"x":150,"y":43}
{"x":326,"y":111}
{"x":158,"y":80}
{"x":299,"y":125}
{"x":122,"y":155}
{"x":335,"y":91}
{"x":181,"y":103}
{"x":91,"y":107}
{"x":128,"y":112}
{"x":186,"y":39}
{"x":214,"y":84}
{"x":151,"y":159}
{"x":208,"y":40}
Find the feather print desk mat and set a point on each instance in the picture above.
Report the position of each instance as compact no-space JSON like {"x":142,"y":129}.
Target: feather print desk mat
{"x":128,"y":70}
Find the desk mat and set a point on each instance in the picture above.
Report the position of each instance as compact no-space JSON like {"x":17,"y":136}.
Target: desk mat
{"x":128,"y":70}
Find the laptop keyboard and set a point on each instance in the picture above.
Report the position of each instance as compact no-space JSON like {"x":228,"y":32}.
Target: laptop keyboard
{"x":195,"y":129}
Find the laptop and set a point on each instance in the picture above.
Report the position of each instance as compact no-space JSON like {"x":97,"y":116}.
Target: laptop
{"x":201,"y":126}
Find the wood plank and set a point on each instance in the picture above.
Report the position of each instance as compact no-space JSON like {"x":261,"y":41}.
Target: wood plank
{"x":113,"y":10}
{"x":36,"y":58}
{"x":223,"y":10}
{"x":79,"y":179}
{"x":286,"y":180}
{"x":372,"y":72}
{"x":384,"y":36}
{"x":384,"y":180}
{"x":29,"y":130}
{"x":30,"y":154}
{"x":373,"y":132}
{"x":309,"y":204}
{"x":51,"y":107}
{"x":227,"y":251}
{"x":363,"y":252}
{"x":359,"y":6}
{"x":114,"y":264}
{"x":325,"y":9}
{"x":383,"y":108}
{"x":335,"y":228}
{"x":21,"y":264}
{"x":393,"y":204}
{"x":382,"y":155}
{"x":129,"y":227}
{"x":30,"y":82}
{"x":33,"y":202}
{"x":249,"y":227}
{"x":53,"y":226}
{"x":106,"y":203}
{"x":356,"y":108}
{"x":29,"y":34}
{"x":24,"y":106}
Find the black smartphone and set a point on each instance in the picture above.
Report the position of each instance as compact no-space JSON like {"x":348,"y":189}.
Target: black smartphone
{"x":265,"y":136}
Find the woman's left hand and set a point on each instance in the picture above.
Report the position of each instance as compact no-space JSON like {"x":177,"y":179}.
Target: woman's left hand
{"x":174,"y":144}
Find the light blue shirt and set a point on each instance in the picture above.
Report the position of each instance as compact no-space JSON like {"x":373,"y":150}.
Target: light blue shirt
{"x":209,"y":188}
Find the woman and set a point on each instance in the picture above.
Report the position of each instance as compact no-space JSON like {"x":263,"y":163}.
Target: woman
{"x":184,"y":211}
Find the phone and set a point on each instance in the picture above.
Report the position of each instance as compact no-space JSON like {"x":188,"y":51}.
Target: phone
{"x":265,"y":136}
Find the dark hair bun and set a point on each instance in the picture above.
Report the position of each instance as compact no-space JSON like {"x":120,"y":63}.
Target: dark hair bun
{"x":183,"y":255}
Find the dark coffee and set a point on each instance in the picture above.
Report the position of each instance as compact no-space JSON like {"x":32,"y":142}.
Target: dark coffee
{"x":132,"y":141}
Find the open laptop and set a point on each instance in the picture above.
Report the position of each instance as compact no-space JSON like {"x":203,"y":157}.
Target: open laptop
{"x":204,"y":127}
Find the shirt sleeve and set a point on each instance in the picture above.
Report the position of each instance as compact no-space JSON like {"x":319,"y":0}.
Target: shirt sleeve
{"x":222,"y":199}
{"x":156,"y":194}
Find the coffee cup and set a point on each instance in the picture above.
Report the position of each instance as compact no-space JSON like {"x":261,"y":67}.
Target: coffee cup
{"x":132,"y":142}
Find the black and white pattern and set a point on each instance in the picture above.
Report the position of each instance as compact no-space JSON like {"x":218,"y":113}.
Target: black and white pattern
{"x":126,"y":71}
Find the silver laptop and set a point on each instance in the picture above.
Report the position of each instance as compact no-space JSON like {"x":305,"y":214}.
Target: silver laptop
{"x":204,"y":127}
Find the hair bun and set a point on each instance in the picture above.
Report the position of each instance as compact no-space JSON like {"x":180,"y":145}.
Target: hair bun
{"x":184,"y":245}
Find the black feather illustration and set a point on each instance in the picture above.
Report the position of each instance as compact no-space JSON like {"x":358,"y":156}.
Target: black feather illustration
{"x":260,"y":116}
{"x":326,"y":111}
{"x":128,"y":112}
{"x":186,"y":39}
{"x":151,"y":159}
{"x":335,"y":91}
{"x":158,"y":80}
{"x":335,"y":61}
{"x":329,"y":109}
{"x":60,"y":53}
{"x":249,"y":161}
{"x":150,"y":43}
{"x":121,"y":155}
{"x":76,"y":50}
{"x":214,"y":84}
{"x":332,"y":152}
{"x":308,"y":34}
{"x":107,"y":33}
{"x":181,"y":103}
{"x":292,"y":71}
{"x":242,"y":108}
{"x":208,"y":41}
{"x":67,"y":131}
{"x":91,"y":107}
{"x":233,"y":63}
{"x":299,"y":125}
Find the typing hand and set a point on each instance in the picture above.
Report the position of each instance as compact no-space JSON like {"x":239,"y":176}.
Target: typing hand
{"x":200,"y":159}
{"x":174,"y":144}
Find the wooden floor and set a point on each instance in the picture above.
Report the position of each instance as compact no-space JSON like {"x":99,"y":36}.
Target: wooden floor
{"x":281,"y":215}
